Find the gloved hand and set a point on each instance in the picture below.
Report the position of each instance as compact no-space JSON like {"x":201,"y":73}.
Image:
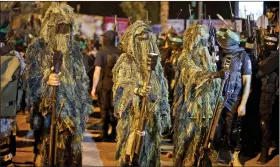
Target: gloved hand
{"x":142,"y":91}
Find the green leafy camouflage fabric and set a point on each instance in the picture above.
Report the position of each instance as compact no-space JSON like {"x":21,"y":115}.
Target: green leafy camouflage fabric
{"x":194,"y":95}
{"x":128,"y":74}
{"x":73,"y":87}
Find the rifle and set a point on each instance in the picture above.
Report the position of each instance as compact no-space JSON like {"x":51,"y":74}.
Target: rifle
{"x":225,"y":23}
{"x":147,"y":21}
{"x":256,"y":40}
{"x":191,"y":16}
{"x":140,"y":132}
{"x":249,"y":26}
{"x":232,"y":17}
{"x":212,"y":36}
{"x":116,"y":32}
{"x":253,"y":35}
{"x":57,"y":61}
{"x":203,"y":160}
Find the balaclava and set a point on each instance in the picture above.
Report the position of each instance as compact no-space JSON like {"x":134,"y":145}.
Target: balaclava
{"x":271,"y":42}
{"x":138,"y":42}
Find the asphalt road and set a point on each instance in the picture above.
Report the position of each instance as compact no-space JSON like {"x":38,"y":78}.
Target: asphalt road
{"x":96,"y":153}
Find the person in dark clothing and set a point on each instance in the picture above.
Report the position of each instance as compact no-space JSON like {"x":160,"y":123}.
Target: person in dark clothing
{"x":171,"y":48}
{"x":104,"y":63}
{"x":268,"y":73}
{"x":236,"y":90}
{"x":164,"y":50}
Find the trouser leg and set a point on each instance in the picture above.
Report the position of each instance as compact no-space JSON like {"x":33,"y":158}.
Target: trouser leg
{"x":265,"y":109}
{"x":106,"y":110}
{"x":5,"y":152}
{"x":275,"y":122}
{"x":233,"y":125}
{"x":265,"y":123}
{"x":266,"y":130}
{"x":37,"y":134}
{"x":113,"y":119}
{"x":13,"y":144}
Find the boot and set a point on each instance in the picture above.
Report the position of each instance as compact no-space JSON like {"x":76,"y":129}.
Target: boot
{"x":274,"y":153}
{"x":263,"y":157}
{"x":235,"y":159}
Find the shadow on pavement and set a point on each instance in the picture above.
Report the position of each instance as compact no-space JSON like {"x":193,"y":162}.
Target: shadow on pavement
{"x":22,"y":144}
{"x":25,"y":164}
{"x":22,"y":133}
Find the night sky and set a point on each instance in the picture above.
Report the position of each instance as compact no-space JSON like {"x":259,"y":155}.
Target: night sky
{"x":111,"y":8}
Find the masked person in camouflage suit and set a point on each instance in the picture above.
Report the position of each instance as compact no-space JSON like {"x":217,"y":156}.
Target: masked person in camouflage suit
{"x":129,"y":75}
{"x":268,"y":73}
{"x":194,"y":95}
{"x":72,"y":87}
{"x":236,"y":90}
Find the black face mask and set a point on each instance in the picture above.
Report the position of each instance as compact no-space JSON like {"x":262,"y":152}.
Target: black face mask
{"x":63,"y":29}
{"x":270,"y":47}
{"x":270,"y":42}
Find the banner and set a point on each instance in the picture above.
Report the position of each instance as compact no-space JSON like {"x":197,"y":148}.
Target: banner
{"x":88,"y":25}
{"x":179,"y":26}
{"x":109,"y":23}
{"x":219,"y":24}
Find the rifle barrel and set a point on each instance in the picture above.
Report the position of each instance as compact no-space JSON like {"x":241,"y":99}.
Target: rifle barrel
{"x":53,"y":132}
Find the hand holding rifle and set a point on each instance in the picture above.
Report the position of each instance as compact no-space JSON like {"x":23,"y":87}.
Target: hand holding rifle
{"x":53,"y":79}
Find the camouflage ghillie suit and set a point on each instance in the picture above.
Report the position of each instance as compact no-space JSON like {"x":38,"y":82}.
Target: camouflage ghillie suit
{"x":73,"y":88}
{"x":194,"y":95}
{"x":128,"y":74}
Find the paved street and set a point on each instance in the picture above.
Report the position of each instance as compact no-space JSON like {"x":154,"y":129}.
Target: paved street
{"x":94,"y":153}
